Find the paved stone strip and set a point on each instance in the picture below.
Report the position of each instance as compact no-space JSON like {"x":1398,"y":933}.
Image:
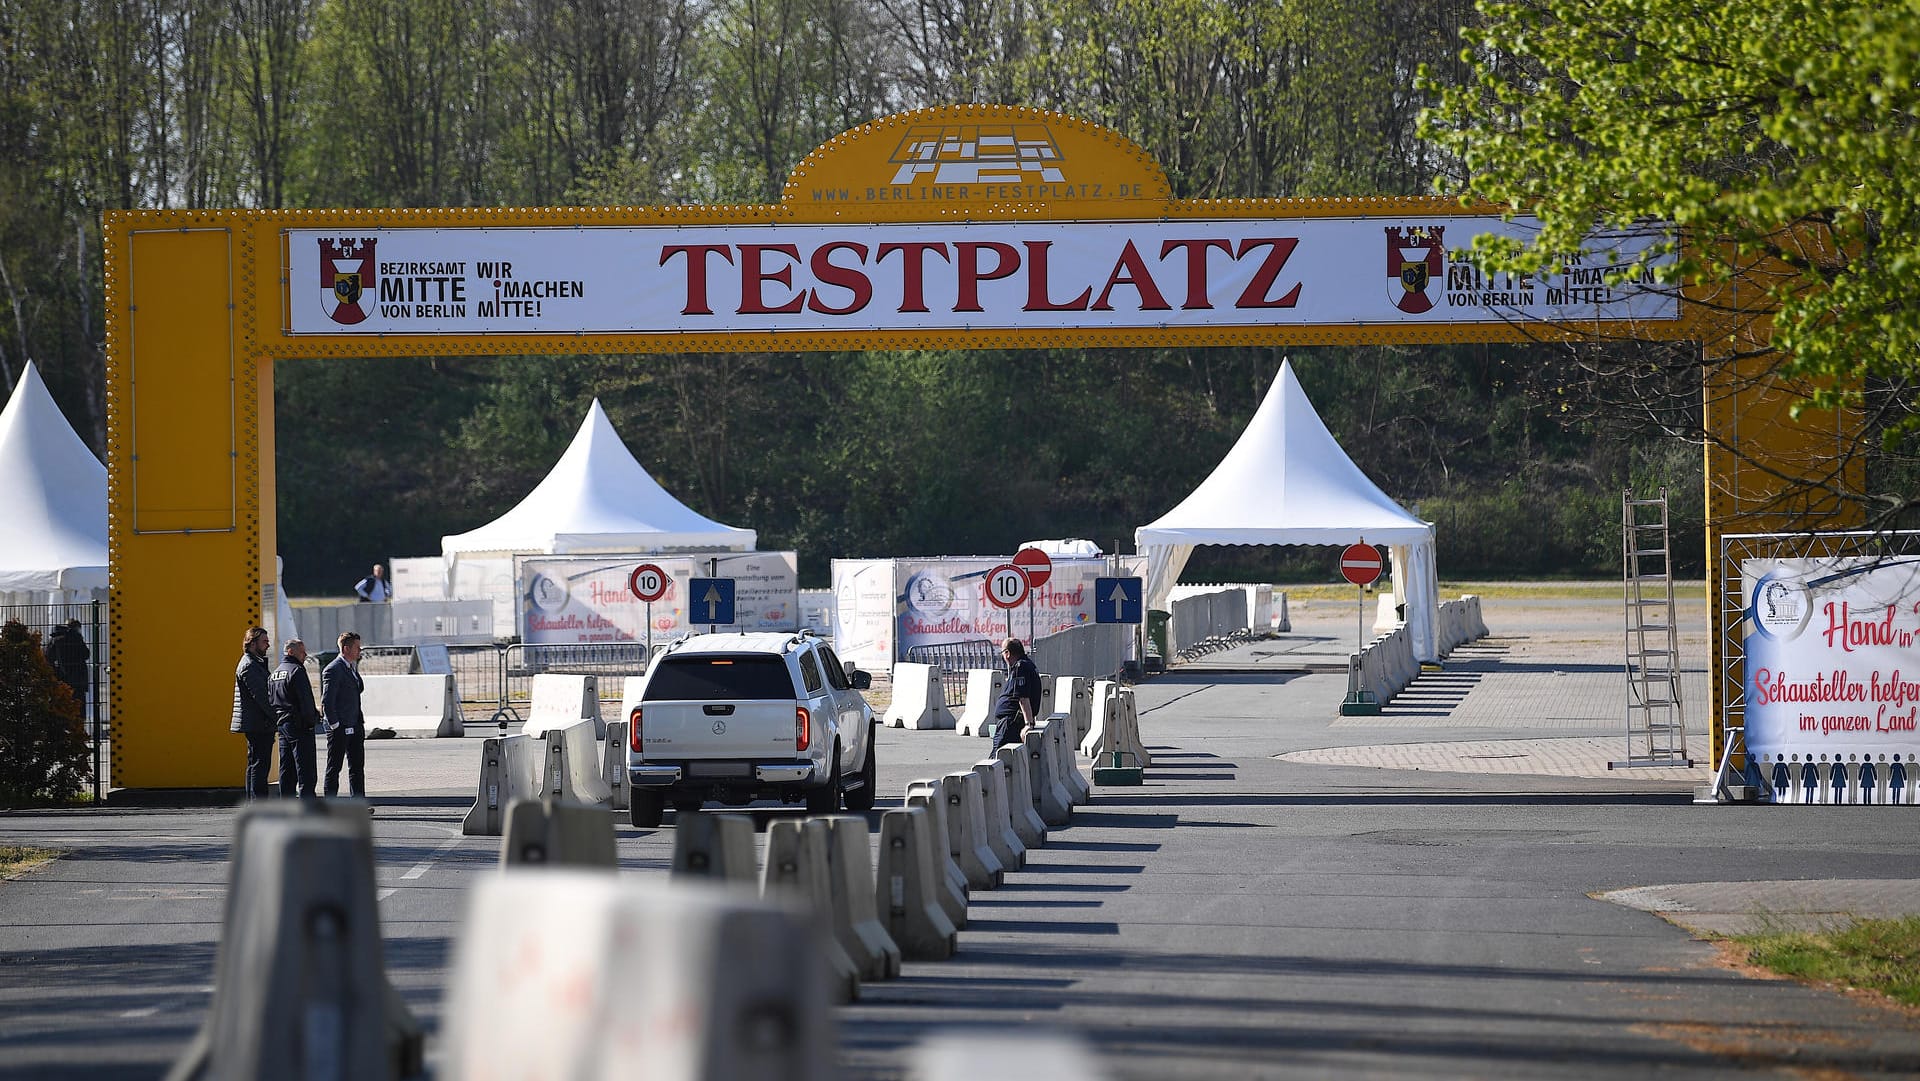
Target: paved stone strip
{"x":1742,"y":908}
{"x":1573,"y":756}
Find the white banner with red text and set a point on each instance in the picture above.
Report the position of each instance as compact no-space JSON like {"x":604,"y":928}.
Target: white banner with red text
{"x":1832,"y":658}
{"x":1225,"y":273}
{"x":583,"y":600}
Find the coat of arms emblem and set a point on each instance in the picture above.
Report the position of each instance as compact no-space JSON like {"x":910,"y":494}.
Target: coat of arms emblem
{"x":1416,"y":259}
{"x":346,"y":278}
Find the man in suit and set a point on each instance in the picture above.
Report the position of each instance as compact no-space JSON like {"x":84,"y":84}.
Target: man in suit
{"x":340,"y":687}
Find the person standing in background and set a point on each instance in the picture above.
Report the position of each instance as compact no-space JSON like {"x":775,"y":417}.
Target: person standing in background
{"x":374,"y":587}
{"x":340,"y":687}
{"x":253,"y":709}
{"x":291,"y":693}
{"x":68,"y":653}
{"x":1019,"y":701}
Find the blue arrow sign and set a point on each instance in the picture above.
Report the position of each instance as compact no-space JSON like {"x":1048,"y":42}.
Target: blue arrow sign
{"x":1118,"y":600}
{"x":710,"y":601}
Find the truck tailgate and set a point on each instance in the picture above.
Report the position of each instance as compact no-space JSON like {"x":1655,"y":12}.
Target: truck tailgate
{"x":677,"y":731}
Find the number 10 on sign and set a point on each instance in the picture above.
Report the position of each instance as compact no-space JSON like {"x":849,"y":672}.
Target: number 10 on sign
{"x":1007,"y":586}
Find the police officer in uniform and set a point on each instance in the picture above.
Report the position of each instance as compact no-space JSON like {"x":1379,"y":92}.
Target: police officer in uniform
{"x":1019,"y":705}
{"x":340,"y":687}
{"x":292,"y":695}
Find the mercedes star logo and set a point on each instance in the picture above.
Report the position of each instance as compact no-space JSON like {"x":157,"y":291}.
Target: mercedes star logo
{"x":719,"y":728}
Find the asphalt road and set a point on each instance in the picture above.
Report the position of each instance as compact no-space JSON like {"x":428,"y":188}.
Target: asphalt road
{"x":1239,"y":916}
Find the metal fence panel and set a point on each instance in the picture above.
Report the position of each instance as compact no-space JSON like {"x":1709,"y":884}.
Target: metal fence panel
{"x":92,"y":616}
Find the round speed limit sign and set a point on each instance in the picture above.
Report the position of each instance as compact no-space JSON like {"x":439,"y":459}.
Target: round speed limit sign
{"x":648,"y":582}
{"x":1006,"y":586}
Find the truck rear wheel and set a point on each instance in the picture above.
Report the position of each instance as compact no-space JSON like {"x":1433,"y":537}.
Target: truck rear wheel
{"x":860,"y":800}
{"x":645,"y":809}
{"x":826,"y":801}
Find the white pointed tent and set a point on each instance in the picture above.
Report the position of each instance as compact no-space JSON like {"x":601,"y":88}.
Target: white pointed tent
{"x":1286,"y":481}
{"x":596,"y":499}
{"x":53,"y":534}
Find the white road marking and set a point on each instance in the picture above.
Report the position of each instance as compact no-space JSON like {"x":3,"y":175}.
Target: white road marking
{"x":421,"y":868}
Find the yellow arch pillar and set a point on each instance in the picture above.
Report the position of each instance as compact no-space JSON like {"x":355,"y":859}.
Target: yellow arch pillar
{"x":188,"y":526}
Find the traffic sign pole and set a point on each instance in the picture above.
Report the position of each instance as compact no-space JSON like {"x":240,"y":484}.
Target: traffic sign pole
{"x":1359,"y":564}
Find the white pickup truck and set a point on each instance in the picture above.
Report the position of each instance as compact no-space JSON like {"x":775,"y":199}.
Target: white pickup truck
{"x":735,"y":718}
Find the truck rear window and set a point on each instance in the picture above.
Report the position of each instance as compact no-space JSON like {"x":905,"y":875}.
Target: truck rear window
{"x":730,"y":679}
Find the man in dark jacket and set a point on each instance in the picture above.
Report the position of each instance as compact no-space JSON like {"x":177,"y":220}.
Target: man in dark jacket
{"x":340,"y":687}
{"x":1019,"y":697}
{"x":68,"y":653}
{"x":291,"y":693}
{"x":253,"y":710}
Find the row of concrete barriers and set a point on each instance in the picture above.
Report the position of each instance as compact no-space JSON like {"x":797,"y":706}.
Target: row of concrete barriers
{"x":563,"y":971}
{"x":1099,"y":715}
{"x":1386,"y":666}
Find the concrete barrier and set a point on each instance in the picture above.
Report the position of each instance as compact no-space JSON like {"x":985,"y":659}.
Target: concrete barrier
{"x":1027,"y":823}
{"x":952,"y":881}
{"x":1386,"y":665}
{"x":856,"y":923}
{"x":907,"y":888}
{"x":715,"y":846}
{"x":796,"y":871}
{"x":967,"y":822}
{"x":414,"y":707}
{"x":1116,"y":730}
{"x":919,"y":699}
{"x":548,"y":831}
{"x":1049,"y":798}
{"x":1100,"y":724}
{"x":1073,"y":699}
{"x":613,"y":764}
{"x":1282,"y":622}
{"x":300,"y":988}
{"x":576,"y":974}
{"x":1130,"y":712}
{"x":1066,"y":763}
{"x":1005,"y":843}
{"x":968,"y":1057}
{"x":983,"y":690}
{"x":510,"y":768}
{"x":572,"y":767}
{"x":562,"y":702}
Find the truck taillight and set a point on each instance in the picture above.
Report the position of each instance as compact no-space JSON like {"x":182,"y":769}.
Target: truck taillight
{"x":802,"y":728}
{"x":633,"y":730}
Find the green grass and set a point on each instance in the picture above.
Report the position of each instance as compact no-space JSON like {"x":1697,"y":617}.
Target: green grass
{"x":19,"y":859}
{"x":1875,"y":955}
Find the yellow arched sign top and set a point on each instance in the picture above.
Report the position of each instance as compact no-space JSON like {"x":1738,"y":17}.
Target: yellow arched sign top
{"x":962,"y":227}
{"x":976,"y":162}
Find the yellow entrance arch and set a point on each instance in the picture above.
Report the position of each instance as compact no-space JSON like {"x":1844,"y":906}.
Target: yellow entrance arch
{"x":960,"y":227}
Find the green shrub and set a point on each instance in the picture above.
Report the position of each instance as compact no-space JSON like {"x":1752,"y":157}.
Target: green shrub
{"x":43,"y":738}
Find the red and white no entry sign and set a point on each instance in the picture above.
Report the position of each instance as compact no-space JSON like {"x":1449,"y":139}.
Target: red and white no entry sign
{"x":1036,"y":564}
{"x":648,"y":582}
{"x":1006,"y":586}
{"x":1360,"y":564}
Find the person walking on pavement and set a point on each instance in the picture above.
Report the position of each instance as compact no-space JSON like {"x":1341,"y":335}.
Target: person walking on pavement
{"x":340,"y":687}
{"x":374,"y":587}
{"x":1019,"y":700}
{"x":291,"y":693}
{"x":68,"y":653}
{"x":253,"y":709}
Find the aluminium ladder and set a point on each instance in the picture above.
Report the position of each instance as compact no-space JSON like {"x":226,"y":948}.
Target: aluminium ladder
{"x":1656,"y":723}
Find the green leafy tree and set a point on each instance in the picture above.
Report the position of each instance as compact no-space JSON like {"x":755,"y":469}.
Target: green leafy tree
{"x":43,"y":739}
{"x":1779,"y":136}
